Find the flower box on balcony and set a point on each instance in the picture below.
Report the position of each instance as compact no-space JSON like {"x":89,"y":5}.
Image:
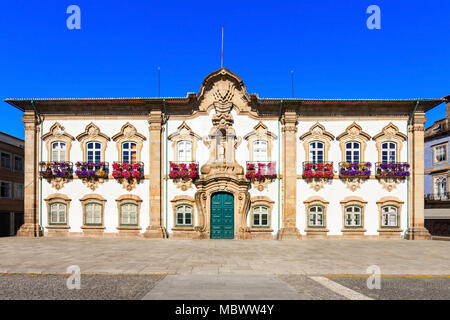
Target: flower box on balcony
{"x":354,"y":169}
{"x":261,"y":170}
{"x":55,"y":169}
{"x":313,"y":170}
{"x":183,"y":170}
{"x":128,"y":171}
{"x":91,"y":170}
{"x":392,"y":170}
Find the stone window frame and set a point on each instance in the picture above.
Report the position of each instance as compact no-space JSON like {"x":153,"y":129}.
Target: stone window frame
{"x":316,"y":201}
{"x":349,"y":202}
{"x":353,"y":133}
{"x":389,"y":133}
{"x":57,"y":133}
{"x":129,"y":133}
{"x":183,"y":200}
{"x":92,"y":133}
{"x":57,"y":198}
{"x":389,"y":201}
{"x":317,"y":133}
{"x":93,"y":198}
{"x":184,"y":133}
{"x":440,"y":175}
{"x":126,"y":199}
{"x":434,"y":153}
{"x":260,"y":132}
{"x":265,"y":202}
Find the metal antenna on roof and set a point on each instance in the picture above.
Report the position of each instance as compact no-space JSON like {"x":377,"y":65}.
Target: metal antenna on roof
{"x":292,"y":81}
{"x":159,"y":82}
{"x":221,"y":56}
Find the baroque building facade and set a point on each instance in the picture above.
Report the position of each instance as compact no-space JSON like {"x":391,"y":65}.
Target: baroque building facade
{"x":223,"y":163}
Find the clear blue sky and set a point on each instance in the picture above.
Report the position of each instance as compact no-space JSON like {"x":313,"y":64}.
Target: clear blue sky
{"x":121,"y":43}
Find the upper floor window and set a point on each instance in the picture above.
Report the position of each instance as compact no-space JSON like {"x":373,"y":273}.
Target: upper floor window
{"x":389,"y":216}
{"x":5,"y":190}
{"x":441,"y":187}
{"x":353,"y":216}
{"x":388,"y":152}
{"x":58,"y":151}
{"x":440,"y":153}
{"x":93,"y":151}
{"x":352,"y":152}
{"x":184,"y":151}
{"x":93,"y":214}
{"x":18,"y":191}
{"x":129,"y":214}
{"x":58,"y":213}
{"x":129,"y":152}
{"x":260,"y":216}
{"x":5,"y":160}
{"x":184,"y":215}
{"x":316,"y":151}
{"x":260,"y":150}
{"x":315,"y":216}
{"x":18,"y":163}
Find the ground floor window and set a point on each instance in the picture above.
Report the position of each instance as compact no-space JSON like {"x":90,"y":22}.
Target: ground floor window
{"x":129,"y":214}
{"x":389,"y":216}
{"x":93,"y":214}
{"x":184,"y":215}
{"x":260,"y":216}
{"x":353,"y":216}
{"x":315,"y":216}
{"x":58,"y":213}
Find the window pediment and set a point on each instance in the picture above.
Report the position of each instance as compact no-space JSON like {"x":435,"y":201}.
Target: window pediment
{"x":129,"y":133}
{"x":353,"y":133}
{"x":389,"y":133}
{"x":57,"y":133}
{"x":317,"y":132}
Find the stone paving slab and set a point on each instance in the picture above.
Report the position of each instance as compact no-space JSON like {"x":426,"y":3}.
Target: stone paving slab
{"x":214,"y":257}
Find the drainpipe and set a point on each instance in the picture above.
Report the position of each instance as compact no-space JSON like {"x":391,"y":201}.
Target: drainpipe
{"x":279,"y":165}
{"x":407,"y":146}
{"x":41,"y":228}
{"x":166,"y":162}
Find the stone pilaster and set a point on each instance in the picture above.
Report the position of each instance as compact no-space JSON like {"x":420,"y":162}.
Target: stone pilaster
{"x":30,"y":228}
{"x":416,"y":230}
{"x":155,"y":229}
{"x":289,"y":217}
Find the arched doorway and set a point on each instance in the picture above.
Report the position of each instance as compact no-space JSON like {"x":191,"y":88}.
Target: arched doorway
{"x":222,"y":216}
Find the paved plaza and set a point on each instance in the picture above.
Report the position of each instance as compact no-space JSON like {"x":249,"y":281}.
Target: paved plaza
{"x":223,"y":269}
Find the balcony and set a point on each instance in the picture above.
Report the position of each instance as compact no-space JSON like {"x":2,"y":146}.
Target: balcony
{"x":92,"y":170}
{"x":261,"y":170}
{"x":354,"y":169}
{"x":443,"y":196}
{"x":318,"y":170}
{"x":128,"y":170}
{"x":55,"y":169}
{"x":183,"y":170}
{"x":396,"y":170}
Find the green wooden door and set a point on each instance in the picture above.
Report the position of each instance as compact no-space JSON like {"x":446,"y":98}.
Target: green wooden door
{"x":222,"y":216}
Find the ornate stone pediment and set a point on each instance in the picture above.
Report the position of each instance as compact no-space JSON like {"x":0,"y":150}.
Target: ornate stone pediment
{"x":57,"y":133}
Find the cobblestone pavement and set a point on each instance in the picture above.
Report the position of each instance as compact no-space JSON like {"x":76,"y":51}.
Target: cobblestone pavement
{"x":149,"y":256}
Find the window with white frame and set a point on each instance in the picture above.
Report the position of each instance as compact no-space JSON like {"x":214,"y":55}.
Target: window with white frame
{"x":316,"y":151}
{"x":184,"y":151}
{"x":440,"y":153}
{"x":184,"y":215}
{"x":315,"y":216}
{"x":18,"y":163}
{"x":5,"y":160}
{"x":18,"y":191}
{"x":93,"y":151}
{"x":260,"y":150}
{"x":129,"y":152}
{"x":389,"y":216}
{"x":353,"y":216}
{"x":58,"y":213}
{"x":441,"y":187}
{"x":260,"y":216}
{"x":93,"y":214}
{"x":58,"y":151}
{"x":352,"y":152}
{"x":388,"y":152}
{"x":5,"y":189}
{"x":129,"y":214}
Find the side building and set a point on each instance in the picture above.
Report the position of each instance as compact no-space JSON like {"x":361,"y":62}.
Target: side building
{"x":437,"y":177}
{"x":223,"y":163}
{"x":11,"y":184}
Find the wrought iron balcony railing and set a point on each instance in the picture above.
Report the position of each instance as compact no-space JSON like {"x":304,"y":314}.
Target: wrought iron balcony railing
{"x":354,"y":169}
{"x":399,"y":170}
{"x":85,"y":169}
{"x":318,"y":169}
{"x":184,"y":170}
{"x":443,"y":196}
{"x":261,"y":170}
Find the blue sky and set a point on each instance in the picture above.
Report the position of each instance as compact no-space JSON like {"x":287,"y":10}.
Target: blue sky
{"x":121,"y":43}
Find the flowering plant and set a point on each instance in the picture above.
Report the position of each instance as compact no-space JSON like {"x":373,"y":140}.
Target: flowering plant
{"x":55,"y":169}
{"x":183,"y":171}
{"x":261,"y":171}
{"x":318,"y":170}
{"x":355,"y":169}
{"x":91,"y":170}
{"x":393,"y":170}
{"x":127,"y":170}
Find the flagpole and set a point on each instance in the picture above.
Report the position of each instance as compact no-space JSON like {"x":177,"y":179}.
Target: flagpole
{"x":221,"y":56}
